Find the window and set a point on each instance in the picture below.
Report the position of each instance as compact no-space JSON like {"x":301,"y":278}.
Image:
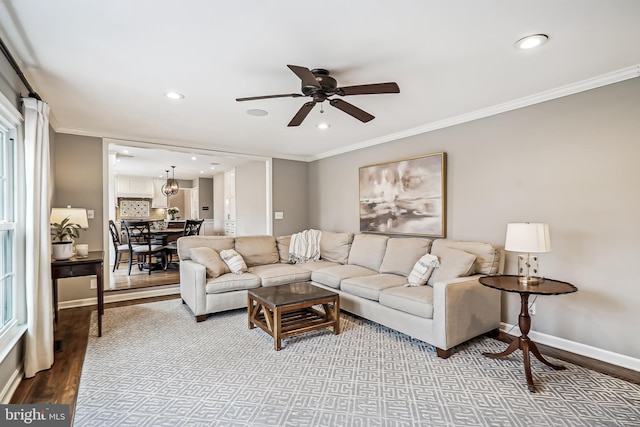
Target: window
{"x":8,"y":161}
{"x":12,"y":233}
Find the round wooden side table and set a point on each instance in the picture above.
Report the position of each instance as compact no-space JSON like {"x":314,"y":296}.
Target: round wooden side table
{"x":546,"y":287}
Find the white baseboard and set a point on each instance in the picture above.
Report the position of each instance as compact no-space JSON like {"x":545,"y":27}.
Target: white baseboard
{"x":576,"y":348}
{"x":122,"y":296}
{"x":10,"y":387}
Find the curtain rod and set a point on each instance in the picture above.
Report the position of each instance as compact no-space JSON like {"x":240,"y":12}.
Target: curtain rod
{"x":18,"y":71}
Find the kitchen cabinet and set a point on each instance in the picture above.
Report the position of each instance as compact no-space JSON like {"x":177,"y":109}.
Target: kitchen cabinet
{"x":134,"y":187}
{"x":230,"y":203}
{"x":159,"y":199}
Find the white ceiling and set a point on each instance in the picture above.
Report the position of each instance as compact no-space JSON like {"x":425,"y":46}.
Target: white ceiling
{"x":104,"y":66}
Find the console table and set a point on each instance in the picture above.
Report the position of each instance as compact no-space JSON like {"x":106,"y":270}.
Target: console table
{"x":546,"y":287}
{"x":78,"y":267}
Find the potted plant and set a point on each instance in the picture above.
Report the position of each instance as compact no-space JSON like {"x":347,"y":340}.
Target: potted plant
{"x":172,"y":211}
{"x":63,"y":234}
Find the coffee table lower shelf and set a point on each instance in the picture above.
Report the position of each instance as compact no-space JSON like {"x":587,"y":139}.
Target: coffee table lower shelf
{"x":293,"y":319}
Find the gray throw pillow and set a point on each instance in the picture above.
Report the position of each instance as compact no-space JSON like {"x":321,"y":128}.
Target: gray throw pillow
{"x":454,"y":263}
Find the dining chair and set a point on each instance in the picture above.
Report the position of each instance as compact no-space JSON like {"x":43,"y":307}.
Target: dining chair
{"x":191,"y":228}
{"x":118,"y":246}
{"x":142,"y":246}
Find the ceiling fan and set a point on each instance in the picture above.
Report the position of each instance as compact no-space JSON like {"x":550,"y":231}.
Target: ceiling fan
{"x":319,"y":85}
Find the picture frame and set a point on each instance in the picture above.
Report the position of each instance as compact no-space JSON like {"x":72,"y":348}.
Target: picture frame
{"x":406,"y":197}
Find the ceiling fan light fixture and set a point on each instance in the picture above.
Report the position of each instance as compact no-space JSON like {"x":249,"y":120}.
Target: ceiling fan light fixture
{"x":256,"y":112}
{"x":532,"y":41}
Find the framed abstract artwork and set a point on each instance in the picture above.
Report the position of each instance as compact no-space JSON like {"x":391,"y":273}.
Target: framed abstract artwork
{"x":404,"y":196}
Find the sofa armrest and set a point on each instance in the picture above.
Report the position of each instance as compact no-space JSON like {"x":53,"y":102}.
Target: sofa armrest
{"x":463,"y":309}
{"x":193,"y":281}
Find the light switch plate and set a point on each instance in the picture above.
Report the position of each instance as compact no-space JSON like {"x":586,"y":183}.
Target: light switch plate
{"x":90,"y":214}
{"x":279,"y":215}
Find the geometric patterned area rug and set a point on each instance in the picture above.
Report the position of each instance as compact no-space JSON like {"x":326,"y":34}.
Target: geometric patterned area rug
{"x":155,"y":366}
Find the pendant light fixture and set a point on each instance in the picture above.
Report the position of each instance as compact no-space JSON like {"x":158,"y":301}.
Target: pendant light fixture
{"x":171,"y":187}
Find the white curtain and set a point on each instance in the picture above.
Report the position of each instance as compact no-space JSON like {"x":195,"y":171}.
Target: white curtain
{"x":39,"y":338}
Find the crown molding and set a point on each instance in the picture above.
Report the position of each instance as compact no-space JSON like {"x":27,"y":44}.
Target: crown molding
{"x":570,"y":89}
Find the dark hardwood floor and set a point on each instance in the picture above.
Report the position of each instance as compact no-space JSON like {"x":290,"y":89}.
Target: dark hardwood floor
{"x":60,"y":384}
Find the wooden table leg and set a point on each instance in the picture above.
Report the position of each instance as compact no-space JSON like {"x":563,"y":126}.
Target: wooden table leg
{"x":524,"y":344}
{"x":100,"y":292}
{"x":277,"y":328}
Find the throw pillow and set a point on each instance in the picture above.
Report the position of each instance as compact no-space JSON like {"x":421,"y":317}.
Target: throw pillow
{"x":211,"y":260}
{"x":422,"y":270}
{"x":453,"y":263}
{"x":234,"y":261}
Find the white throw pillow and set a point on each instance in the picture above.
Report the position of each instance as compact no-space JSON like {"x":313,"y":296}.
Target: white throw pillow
{"x":422,"y":270}
{"x":234,"y":261}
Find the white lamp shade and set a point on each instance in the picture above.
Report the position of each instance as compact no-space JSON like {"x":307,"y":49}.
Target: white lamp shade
{"x":530,"y":237}
{"x":76,"y":216}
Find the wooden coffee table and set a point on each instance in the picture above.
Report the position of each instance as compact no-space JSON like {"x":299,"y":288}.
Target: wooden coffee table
{"x":287,"y":310}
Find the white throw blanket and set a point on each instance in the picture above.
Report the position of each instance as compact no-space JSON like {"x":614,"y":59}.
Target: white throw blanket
{"x":305,"y":246}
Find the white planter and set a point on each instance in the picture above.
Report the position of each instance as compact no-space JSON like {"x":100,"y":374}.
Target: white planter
{"x":62,"y":250}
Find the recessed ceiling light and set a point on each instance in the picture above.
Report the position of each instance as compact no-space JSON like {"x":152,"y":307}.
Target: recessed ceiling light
{"x":194,"y":158}
{"x":257,"y":112}
{"x":125,"y":151}
{"x":324,"y":126}
{"x":174,"y":95}
{"x":531,"y":41}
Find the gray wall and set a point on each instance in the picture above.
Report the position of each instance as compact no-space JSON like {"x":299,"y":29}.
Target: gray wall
{"x":570,"y":162}
{"x":205,"y":197}
{"x":77,"y":170}
{"x":251,"y":198}
{"x":290,"y":196}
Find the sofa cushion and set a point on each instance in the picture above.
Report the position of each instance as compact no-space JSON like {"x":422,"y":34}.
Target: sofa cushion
{"x":317,"y":265}
{"x":335,"y":246}
{"x":422,"y":270}
{"x":217,"y":243}
{"x":233,"y":260}
{"x":232,"y":282}
{"x":211,"y":260}
{"x":416,"y":300}
{"x":453,"y":263}
{"x":280,"y":274}
{"x":257,"y":250}
{"x":367,"y":250}
{"x":282,"y":243}
{"x":487,"y":255}
{"x":370,"y":286}
{"x":401,"y":254}
{"x":332,"y":276}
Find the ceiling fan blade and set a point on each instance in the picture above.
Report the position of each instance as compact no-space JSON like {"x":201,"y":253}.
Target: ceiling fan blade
{"x":302,"y":113}
{"x":370,"y":89}
{"x":352,"y":110}
{"x":286,"y":95}
{"x":307,"y":77}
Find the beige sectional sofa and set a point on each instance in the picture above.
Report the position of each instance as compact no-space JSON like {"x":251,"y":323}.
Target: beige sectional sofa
{"x":369,"y":272}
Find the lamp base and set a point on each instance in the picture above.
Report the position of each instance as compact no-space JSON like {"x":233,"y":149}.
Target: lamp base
{"x":526,"y":281}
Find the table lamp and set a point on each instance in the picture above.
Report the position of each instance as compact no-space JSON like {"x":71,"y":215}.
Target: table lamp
{"x":528,"y":238}
{"x":76,"y":216}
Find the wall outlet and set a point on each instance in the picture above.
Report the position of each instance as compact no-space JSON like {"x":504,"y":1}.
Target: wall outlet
{"x":532,"y":309}
{"x":93,"y":283}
